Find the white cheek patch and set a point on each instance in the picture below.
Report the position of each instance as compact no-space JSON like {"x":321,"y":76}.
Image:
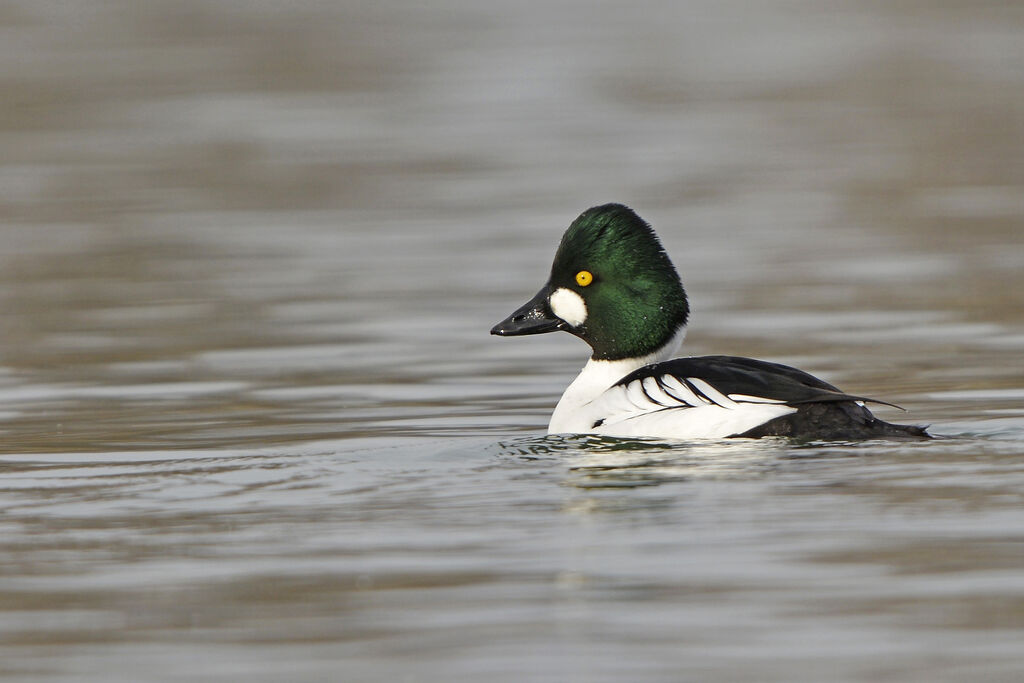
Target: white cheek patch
{"x":569,"y":306}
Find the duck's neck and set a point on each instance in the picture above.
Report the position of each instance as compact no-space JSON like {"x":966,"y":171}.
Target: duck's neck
{"x":595,"y":378}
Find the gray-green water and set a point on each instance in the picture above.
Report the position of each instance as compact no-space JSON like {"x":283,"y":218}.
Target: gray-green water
{"x":254,"y":428}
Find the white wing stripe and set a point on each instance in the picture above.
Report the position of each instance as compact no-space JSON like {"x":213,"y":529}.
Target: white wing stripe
{"x":652,"y":394}
{"x":635,"y":395}
{"x":657,"y":394}
{"x":712,"y":393}
{"x":680,"y":391}
{"x":746,"y":398}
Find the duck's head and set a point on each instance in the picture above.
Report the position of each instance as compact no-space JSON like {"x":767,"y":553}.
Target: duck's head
{"x":612,"y":285}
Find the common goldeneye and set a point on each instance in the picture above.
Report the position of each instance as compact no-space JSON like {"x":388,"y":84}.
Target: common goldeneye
{"x":613,"y":286}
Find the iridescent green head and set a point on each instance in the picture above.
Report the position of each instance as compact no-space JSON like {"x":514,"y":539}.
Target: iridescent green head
{"x":612,"y":285}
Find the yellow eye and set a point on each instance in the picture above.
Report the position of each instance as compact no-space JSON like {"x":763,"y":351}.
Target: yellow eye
{"x":584,"y":278}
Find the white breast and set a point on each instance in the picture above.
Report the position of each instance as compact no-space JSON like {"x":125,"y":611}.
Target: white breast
{"x":572,"y":414}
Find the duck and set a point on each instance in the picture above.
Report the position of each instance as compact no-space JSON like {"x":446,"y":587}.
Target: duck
{"x":613,"y":285}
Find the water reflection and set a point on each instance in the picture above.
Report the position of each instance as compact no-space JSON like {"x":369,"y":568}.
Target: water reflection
{"x":594,"y":461}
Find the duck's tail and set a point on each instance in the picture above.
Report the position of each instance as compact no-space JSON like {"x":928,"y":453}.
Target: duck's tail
{"x":838,"y":421}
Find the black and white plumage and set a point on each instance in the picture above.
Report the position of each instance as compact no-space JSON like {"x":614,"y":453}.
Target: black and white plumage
{"x":613,"y":286}
{"x":728,"y":396}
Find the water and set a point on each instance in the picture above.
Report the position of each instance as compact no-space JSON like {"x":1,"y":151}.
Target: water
{"x":253,"y":427}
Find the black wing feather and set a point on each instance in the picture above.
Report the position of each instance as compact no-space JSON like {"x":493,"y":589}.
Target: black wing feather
{"x":735,"y":375}
{"x":822,"y":411}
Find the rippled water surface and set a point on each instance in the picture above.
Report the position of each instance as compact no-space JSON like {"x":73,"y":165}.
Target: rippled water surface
{"x":252,"y":424}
